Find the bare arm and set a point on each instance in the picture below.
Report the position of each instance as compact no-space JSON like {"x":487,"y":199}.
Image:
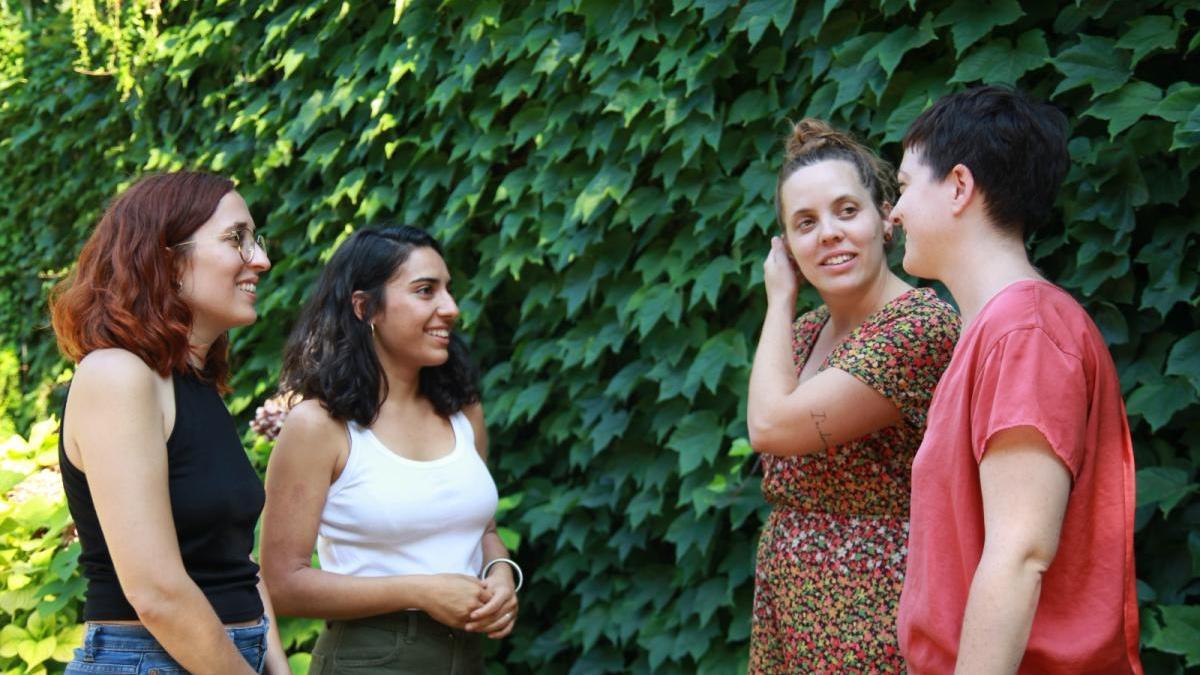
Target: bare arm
{"x":276,"y":657}
{"x":115,"y":418}
{"x":1025,"y":488}
{"x":301,"y":469}
{"x":498,"y":617}
{"x":787,"y":417}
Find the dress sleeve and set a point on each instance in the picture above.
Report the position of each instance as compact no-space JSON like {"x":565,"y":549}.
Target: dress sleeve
{"x":903,"y":356}
{"x":1027,"y":379}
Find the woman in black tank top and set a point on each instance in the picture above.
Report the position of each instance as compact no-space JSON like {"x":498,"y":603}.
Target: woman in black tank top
{"x":164,"y":498}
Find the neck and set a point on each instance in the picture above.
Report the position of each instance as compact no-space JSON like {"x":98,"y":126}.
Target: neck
{"x":982,"y":266}
{"x":847,"y":312}
{"x":403,"y":382}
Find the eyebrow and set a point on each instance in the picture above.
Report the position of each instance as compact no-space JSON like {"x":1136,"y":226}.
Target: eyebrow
{"x":427,"y":280}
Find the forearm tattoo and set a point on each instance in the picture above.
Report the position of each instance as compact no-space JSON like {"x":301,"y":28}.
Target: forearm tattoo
{"x":818,"y":417}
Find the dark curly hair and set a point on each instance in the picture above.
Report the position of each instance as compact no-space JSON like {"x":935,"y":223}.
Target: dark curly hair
{"x":330,"y":355}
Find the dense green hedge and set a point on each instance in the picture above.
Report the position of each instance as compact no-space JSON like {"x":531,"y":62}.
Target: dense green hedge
{"x":601,"y":173}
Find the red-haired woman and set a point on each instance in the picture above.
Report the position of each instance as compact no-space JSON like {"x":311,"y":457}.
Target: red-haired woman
{"x":163,"y":495}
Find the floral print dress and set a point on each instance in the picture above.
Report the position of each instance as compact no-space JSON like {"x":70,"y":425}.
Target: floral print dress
{"x":831,"y":557}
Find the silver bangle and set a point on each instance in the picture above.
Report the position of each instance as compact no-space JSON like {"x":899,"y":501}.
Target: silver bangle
{"x":511,"y":563}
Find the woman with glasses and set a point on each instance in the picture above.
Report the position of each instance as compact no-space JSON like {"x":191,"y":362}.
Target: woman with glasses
{"x":382,"y":468}
{"x":163,"y":496}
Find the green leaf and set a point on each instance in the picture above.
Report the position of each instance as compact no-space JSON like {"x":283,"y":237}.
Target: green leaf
{"x":529,"y":401}
{"x":708,"y":282}
{"x":1094,"y":62}
{"x":33,"y":652}
{"x":1125,"y":106}
{"x":725,"y":349}
{"x":997,"y":60}
{"x":1178,"y":632}
{"x":1147,"y":34}
{"x":1185,"y":359}
{"x":970,"y":20}
{"x":1164,"y":486}
{"x":1157,"y":402}
{"x":892,"y":48}
{"x":697,"y":438}
{"x":758,"y":14}
{"x":1180,"y":102}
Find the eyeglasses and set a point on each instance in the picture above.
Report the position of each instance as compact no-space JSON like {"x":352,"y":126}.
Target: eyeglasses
{"x":241,"y":237}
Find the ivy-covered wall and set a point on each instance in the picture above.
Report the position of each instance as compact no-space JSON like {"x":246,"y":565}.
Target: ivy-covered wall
{"x":601,"y":172}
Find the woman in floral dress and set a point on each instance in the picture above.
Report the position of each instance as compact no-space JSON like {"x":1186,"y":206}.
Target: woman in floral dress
{"x":837,"y":406}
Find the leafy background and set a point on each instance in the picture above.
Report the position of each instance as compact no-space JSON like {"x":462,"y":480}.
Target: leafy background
{"x":601,"y":173}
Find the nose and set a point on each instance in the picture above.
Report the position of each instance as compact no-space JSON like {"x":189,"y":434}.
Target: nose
{"x":830,"y":230}
{"x":448,"y":308}
{"x":259,"y":262}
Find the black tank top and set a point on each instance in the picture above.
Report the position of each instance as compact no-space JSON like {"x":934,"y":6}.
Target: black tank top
{"x":216,"y":498}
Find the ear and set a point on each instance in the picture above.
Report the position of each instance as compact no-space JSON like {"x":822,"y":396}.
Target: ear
{"x":358,"y":300}
{"x":962,"y":182}
{"x":885,"y":212}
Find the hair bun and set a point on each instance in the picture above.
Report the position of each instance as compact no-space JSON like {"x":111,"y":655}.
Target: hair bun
{"x":810,"y":134}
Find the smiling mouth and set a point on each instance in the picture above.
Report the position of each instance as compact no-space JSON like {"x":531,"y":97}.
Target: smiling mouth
{"x":443,"y":333}
{"x":247,"y":287}
{"x":837,"y":259}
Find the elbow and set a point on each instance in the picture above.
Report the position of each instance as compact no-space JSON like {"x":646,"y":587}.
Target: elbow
{"x":156,"y":600}
{"x":278,"y":581}
{"x":764,"y":436}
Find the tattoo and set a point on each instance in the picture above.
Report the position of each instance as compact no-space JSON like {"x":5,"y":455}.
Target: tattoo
{"x":818,"y":417}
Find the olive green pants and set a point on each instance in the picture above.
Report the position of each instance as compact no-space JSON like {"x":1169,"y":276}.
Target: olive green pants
{"x":408,"y":643}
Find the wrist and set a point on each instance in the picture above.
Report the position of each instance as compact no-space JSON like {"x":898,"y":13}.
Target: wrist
{"x":512,"y":568}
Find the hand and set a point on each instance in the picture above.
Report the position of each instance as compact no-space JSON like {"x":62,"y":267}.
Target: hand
{"x":780,"y":274}
{"x":452,"y":597}
{"x":499,"y":615}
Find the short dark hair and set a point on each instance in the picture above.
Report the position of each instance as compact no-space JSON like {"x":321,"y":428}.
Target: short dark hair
{"x":1015,"y":147}
{"x":330,"y":355}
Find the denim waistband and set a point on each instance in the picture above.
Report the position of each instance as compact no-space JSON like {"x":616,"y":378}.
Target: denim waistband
{"x":131,"y":637}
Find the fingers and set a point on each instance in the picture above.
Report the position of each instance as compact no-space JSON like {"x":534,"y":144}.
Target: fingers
{"x":510,"y":621}
{"x":492,"y":606}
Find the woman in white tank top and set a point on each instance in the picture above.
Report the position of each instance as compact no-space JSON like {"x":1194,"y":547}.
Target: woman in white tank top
{"x":381,"y":468}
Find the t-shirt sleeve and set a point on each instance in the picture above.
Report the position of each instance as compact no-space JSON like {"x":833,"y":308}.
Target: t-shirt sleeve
{"x":1026,"y":379}
{"x":903,"y":358}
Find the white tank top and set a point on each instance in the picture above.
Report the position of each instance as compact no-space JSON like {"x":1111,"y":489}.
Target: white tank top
{"x":388,"y":515}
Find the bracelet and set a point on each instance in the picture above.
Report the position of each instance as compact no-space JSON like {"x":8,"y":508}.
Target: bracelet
{"x":511,"y":563}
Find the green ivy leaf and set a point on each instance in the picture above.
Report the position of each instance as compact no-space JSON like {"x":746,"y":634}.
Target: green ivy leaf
{"x":999,"y":61}
{"x":970,"y":20}
{"x":1094,"y":62}
{"x":1147,"y":34}
{"x":1185,"y":359}
{"x":1157,"y":402}
{"x":1178,"y":632}
{"x":892,"y":48}
{"x":1164,"y":486}
{"x":1125,"y":106}
{"x":758,"y":14}
{"x":697,"y":438}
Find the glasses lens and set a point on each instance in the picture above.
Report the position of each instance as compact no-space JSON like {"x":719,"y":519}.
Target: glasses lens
{"x":246,"y":242}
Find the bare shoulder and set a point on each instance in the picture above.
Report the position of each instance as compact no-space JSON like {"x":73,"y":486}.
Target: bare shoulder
{"x":309,"y":428}
{"x":110,"y":370}
{"x":474,"y":414}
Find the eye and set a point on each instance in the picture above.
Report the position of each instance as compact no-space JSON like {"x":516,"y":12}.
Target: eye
{"x":848,"y":211}
{"x":804,"y":224}
{"x":425,"y":290}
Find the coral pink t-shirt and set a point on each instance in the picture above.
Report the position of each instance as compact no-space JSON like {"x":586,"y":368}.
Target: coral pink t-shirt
{"x":1032,"y":357}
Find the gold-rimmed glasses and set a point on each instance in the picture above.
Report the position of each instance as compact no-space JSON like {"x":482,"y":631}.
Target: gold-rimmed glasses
{"x":242,"y":238}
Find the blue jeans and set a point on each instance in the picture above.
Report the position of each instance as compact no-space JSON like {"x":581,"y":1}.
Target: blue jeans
{"x":131,"y":650}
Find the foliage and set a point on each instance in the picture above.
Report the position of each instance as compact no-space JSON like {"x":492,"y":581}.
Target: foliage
{"x":39,"y":555}
{"x":601,"y":174}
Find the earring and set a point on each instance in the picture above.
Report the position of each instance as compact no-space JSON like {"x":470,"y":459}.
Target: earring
{"x":887,"y":236}
{"x":178,"y":285}
{"x":372,"y":329}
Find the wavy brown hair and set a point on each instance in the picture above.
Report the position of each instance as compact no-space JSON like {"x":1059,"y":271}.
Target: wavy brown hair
{"x":122,"y":292}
